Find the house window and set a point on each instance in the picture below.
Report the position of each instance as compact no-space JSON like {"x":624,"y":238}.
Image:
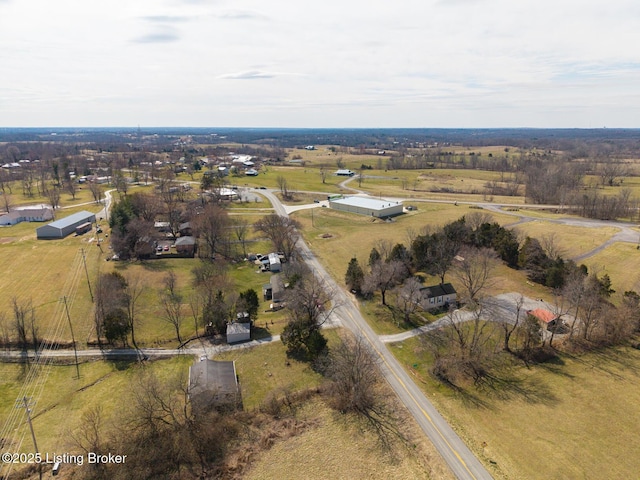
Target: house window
{"x":432,"y":300}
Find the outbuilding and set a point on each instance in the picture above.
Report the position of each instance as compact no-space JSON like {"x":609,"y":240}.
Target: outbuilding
{"x":238,"y":332}
{"x":371,"y":207}
{"x":65,"y":226}
{"x":214,"y":384}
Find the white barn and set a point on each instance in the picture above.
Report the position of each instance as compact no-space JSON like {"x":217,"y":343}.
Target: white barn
{"x":371,"y":207}
{"x":65,"y":226}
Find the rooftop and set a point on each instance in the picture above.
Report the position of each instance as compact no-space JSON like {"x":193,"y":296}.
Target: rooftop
{"x":71,"y":219}
{"x":366,"y":202}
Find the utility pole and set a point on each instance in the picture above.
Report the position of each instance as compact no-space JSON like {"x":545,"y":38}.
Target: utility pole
{"x":27,"y":407}
{"x":73,"y":339}
{"x":84,"y":260}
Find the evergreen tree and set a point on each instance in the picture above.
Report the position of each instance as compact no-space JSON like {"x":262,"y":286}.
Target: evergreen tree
{"x":354,"y":276}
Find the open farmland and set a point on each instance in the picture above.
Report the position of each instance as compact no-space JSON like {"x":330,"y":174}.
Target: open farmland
{"x":554,"y":420}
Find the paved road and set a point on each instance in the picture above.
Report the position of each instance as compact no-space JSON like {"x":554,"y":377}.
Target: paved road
{"x":460,"y":459}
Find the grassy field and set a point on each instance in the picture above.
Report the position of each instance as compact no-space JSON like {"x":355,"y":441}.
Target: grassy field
{"x":262,"y":371}
{"x":64,"y":398}
{"x":336,"y":237}
{"x":572,"y":241}
{"x":566,"y":419}
{"x":621,"y":261}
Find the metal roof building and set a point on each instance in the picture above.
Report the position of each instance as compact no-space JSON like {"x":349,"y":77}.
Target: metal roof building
{"x":214,"y":384}
{"x":65,"y":226}
{"x":371,"y":207}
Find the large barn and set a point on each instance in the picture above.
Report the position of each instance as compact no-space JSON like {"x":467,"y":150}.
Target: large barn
{"x":371,"y":207}
{"x":65,"y":226}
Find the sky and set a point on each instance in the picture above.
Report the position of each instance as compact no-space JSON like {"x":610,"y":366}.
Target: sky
{"x":328,"y":64}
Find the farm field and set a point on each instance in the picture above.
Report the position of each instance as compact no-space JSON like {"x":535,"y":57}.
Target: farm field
{"x":553,"y":420}
{"x":621,"y":261}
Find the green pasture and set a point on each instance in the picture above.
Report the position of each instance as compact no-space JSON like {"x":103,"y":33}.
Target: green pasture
{"x":569,"y":418}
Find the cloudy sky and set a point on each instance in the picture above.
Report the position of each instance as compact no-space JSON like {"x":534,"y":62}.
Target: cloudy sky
{"x":331,"y":63}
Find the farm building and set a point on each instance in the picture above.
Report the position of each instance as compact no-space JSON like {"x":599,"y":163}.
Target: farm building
{"x":438,"y":296}
{"x":65,"y":226}
{"x":213,"y":384}
{"x":546,"y":318}
{"x":238,"y":332}
{"x":371,"y":207}
{"x":345,"y":172}
{"x":26,"y":215}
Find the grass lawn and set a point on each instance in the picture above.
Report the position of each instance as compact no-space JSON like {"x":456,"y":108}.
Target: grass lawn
{"x":572,"y":241}
{"x":64,"y":399}
{"x":565,"y":419}
{"x":621,"y":261}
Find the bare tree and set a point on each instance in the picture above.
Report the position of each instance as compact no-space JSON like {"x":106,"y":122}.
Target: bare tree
{"x":323,"y":174}
{"x":211,"y":227}
{"x":353,"y":369}
{"x":550,"y":245}
{"x":282,"y":231}
{"x":408,"y":298}
{"x":133,"y":290}
{"x":473,"y":270}
{"x":240,"y":229}
{"x":96,"y":191}
{"x":171,"y":302}
{"x":89,"y":435}
{"x":53,"y":195}
{"x":284,"y":187}
{"x":475,"y":219}
{"x":6,"y":201}
{"x":383,"y":277}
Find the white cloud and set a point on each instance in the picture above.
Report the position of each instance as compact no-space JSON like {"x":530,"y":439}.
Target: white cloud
{"x":406,"y":63}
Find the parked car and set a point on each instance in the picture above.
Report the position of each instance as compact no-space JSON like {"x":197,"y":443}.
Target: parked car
{"x":159,"y":248}
{"x":166,"y":248}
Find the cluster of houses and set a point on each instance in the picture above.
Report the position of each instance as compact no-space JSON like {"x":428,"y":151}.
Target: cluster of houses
{"x":232,"y":163}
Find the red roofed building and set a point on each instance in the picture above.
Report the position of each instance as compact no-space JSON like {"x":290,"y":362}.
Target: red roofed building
{"x":547,"y":318}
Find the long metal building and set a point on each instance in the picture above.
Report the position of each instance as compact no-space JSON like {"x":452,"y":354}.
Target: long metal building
{"x":65,"y":226}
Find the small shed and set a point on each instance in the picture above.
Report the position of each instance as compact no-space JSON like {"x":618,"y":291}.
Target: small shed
{"x":548,"y":319}
{"x":238,"y":332}
{"x":65,"y":226}
{"x":275,"y":265}
{"x":213,"y":384}
{"x":437,"y":296}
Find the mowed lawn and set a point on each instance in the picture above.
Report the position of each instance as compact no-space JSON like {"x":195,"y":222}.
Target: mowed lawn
{"x":621,"y":261}
{"x":571,"y":241}
{"x":574,"y":418}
